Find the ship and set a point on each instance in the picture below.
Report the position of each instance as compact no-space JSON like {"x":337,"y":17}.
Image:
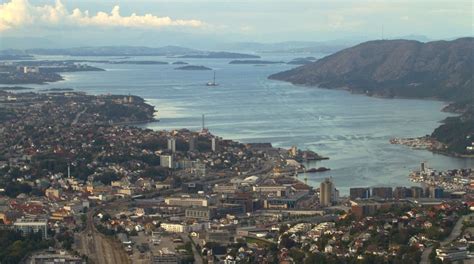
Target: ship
{"x":213,"y":83}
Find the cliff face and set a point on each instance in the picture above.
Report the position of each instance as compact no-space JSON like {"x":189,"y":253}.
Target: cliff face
{"x":440,"y":69}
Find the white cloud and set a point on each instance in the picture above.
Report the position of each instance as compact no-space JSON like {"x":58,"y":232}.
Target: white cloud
{"x":18,"y":13}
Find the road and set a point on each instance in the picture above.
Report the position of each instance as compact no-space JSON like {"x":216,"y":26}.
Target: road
{"x":456,"y":232}
{"x":197,"y":256}
{"x":76,"y":119}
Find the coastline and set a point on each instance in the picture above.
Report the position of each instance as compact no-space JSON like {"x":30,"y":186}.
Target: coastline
{"x":381,"y":96}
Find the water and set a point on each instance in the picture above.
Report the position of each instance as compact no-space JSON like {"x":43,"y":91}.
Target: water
{"x":353,"y":130}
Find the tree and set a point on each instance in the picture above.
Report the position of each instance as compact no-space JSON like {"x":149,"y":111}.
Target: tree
{"x":297,"y":255}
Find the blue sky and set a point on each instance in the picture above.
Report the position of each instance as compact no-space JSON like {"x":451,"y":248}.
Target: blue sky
{"x":184,"y":21}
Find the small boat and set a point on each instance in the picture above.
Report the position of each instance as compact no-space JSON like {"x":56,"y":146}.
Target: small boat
{"x":213,"y":83}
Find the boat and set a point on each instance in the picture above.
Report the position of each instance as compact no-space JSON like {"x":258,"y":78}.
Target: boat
{"x":213,"y":83}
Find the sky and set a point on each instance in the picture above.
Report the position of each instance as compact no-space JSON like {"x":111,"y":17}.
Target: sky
{"x":196,"y":22}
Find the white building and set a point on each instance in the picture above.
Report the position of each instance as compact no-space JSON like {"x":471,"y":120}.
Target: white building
{"x":167,"y":161}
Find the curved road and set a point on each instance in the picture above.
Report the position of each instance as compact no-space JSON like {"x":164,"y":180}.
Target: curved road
{"x":456,"y":232}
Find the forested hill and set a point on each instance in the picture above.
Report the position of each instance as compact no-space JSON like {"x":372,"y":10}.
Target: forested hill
{"x":400,"y":68}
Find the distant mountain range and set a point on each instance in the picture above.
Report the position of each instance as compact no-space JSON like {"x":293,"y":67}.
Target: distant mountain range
{"x":135,"y":51}
{"x":394,"y":68}
{"x":116,"y":51}
{"x":404,"y":68}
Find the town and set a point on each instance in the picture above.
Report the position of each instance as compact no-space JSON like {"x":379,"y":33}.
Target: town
{"x":82,"y":182}
{"x":38,"y":71}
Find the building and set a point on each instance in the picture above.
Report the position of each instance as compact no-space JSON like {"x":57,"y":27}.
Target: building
{"x":293,"y":152}
{"x":326,"y":192}
{"x":276,"y":189}
{"x":199,"y":169}
{"x":382,"y":192}
{"x":416,"y":192}
{"x":229,"y":209}
{"x":167,"y":161}
{"x":286,"y":202}
{"x":55,"y":258}
{"x":192,"y":187}
{"x":52,"y":193}
{"x":193,"y":143}
{"x":174,"y":228}
{"x":436,"y":192}
{"x":451,"y":254}
{"x":202,"y":213}
{"x":218,"y":236}
{"x":30,"y":69}
{"x":359,"y":193}
{"x":27,"y":226}
{"x":215,"y":144}
{"x":363,"y":208}
{"x":401,"y":192}
{"x":165,"y":259}
{"x":187,"y":201}
{"x":172,"y":144}
{"x":225,"y":188}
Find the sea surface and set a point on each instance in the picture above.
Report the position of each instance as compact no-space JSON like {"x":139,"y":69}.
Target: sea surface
{"x":353,"y":130}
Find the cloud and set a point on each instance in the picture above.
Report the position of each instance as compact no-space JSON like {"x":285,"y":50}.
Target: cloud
{"x":20,"y":13}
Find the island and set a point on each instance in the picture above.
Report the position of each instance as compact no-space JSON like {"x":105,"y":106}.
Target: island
{"x":221,"y":55}
{"x":405,"y":69}
{"x":180,"y":63}
{"x":193,"y":68}
{"x":259,"y":62}
{"x":139,"y":62}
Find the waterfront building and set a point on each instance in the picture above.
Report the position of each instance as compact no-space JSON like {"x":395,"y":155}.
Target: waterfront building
{"x":27,"y":226}
{"x":326,"y":192}
{"x":359,"y":193}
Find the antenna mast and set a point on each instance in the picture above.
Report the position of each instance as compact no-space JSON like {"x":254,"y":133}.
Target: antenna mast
{"x":203,"y":124}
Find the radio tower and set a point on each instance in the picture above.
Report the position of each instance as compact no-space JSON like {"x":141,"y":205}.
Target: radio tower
{"x":204,"y":130}
{"x":203,"y":122}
